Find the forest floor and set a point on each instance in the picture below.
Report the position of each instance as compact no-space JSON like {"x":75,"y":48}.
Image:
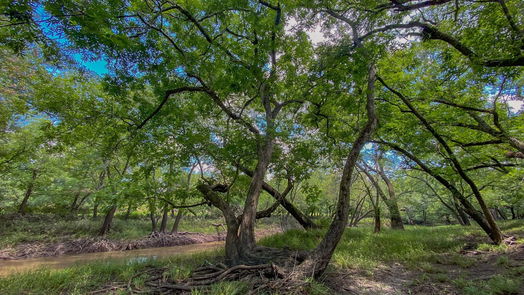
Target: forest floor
{"x":419,"y":260}
{"x":45,"y":236}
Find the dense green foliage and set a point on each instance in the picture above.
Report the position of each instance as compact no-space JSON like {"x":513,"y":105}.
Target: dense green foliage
{"x":407,"y":112}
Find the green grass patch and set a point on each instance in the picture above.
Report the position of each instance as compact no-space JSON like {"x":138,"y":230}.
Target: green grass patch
{"x":359,"y":248}
{"x":83,"y":278}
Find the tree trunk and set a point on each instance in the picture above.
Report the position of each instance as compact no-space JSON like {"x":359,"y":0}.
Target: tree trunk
{"x":128,"y":212}
{"x":22,"y":209}
{"x":233,"y":249}
{"x":513,"y":215}
{"x":376,"y":218}
{"x":494,"y":231}
{"x":108,"y":220}
{"x":163,"y":224}
{"x":501,"y":214}
{"x":391,"y":202}
{"x":304,"y":221}
{"x":318,"y":260}
{"x":153,"y":219}
{"x":179,"y":215}
{"x":95,"y":210}
{"x":462,"y":215}
{"x":74,"y":205}
{"x":247,"y":223}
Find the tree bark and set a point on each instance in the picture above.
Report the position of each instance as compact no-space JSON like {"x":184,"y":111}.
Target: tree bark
{"x":22,"y":209}
{"x":303,"y":219}
{"x":247,"y":224}
{"x":391,"y":202}
{"x":95,"y":209}
{"x":163,"y":223}
{"x":377,"y":221}
{"x":108,"y":220}
{"x":153,"y":219}
{"x":494,"y":231}
{"x":176,"y":224}
{"x":394,"y":212}
{"x":318,"y":260}
{"x":233,"y":256}
{"x":468,"y":207}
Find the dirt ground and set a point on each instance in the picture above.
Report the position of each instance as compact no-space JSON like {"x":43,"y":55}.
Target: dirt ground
{"x":432,"y":278}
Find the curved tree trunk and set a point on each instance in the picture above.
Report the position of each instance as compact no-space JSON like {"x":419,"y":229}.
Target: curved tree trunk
{"x":247,"y":223}
{"x":22,"y":209}
{"x":391,"y":202}
{"x":494,"y":231}
{"x":318,"y":260}
{"x":108,"y":220}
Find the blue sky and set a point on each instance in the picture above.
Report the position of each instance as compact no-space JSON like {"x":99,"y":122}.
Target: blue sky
{"x":99,"y":66}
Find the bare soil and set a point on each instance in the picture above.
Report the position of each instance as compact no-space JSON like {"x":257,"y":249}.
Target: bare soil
{"x":397,"y":279}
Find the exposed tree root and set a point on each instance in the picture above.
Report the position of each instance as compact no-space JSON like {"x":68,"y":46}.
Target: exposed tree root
{"x":261,"y":278}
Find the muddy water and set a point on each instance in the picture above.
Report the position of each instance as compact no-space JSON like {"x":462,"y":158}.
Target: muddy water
{"x":13,"y":266}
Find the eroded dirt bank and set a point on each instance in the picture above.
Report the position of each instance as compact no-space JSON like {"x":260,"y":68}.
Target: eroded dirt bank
{"x":99,"y":244}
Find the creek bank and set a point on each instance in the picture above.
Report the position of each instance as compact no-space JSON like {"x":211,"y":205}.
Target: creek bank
{"x":101,"y":244}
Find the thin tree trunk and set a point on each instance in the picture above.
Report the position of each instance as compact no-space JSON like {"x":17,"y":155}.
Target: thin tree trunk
{"x":501,"y":214}
{"x":377,"y":221}
{"x":108,"y":220}
{"x":153,"y":219}
{"x":462,"y":215}
{"x":513,"y":215}
{"x":391,"y":202}
{"x":95,"y":209}
{"x":128,"y":211}
{"x":74,"y":205}
{"x":163,"y":224}
{"x":22,"y":209}
{"x":468,"y":207}
{"x":178,"y":217}
{"x":494,"y":231}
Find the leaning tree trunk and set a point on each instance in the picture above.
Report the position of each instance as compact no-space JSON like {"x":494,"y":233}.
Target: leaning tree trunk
{"x":391,"y":202}
{"x":108,"y":220}
{"x":247,"y":223}
{"x":464,"y":220}
{"x":493,"y":230}
{"x":318,"y":260}
{"x":22,"y":209}
{"x":299,"y":216}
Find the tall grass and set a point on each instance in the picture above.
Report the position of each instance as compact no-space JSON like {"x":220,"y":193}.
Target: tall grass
{"x":360,"y":248}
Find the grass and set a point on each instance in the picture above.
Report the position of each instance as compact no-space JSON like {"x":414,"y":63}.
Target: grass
{"x":360,"y":249}
{"x":83,"y":278}
{"x":497,"y":285}
{"x":417,"y":247}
